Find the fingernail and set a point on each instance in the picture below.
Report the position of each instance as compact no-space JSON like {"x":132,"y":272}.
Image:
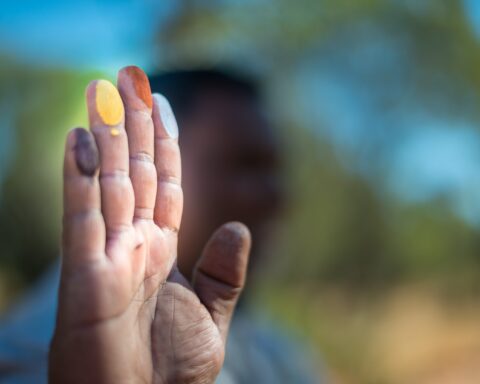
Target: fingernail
{"x":141,"y":84}
{"x":86,"y":153}
{"x":108,"y":103}
{"x":166,"y":115}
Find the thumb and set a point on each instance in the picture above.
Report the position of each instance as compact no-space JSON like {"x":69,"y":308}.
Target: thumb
{"x":220,"y":273}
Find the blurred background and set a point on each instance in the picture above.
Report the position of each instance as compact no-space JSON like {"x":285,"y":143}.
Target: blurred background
{"x":377,"y":262}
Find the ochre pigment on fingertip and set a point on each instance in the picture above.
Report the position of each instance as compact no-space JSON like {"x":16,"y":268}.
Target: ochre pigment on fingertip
{"x":141,"y":84}
{"x":166,"y":115}
{"x":86,"y":152}
{"x":108,"y":103}
{"x":114,"y":132}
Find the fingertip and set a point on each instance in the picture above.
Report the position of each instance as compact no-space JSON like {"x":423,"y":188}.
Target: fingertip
{"x":90,"y":92}
{"x":86,"y":152}
{"x":81,"y":153}
{"x":237,"y":228}
{"x":104,"y":103}
{"x":131,"y":68}
{"x":71,"y":139}
{"x":226,"y":254}
{"x":138,"y":80}
{"x":235,"y":233}
{"x":90,"y":89}
{"x":163,"y":117}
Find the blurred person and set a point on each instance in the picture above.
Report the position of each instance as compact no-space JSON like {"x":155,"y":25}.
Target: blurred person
{"x":128,"y":310}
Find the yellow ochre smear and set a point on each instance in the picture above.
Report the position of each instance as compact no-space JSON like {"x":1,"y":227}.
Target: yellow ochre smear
{"x":109,"y":104}
{"x":114,"y":132}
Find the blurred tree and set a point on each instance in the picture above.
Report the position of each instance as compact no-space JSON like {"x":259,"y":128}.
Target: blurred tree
{"x":345,"y":225}
{"x":43,"y":104}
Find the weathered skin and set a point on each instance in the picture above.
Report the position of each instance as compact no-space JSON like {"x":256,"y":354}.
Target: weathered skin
{"x":126,"y":314}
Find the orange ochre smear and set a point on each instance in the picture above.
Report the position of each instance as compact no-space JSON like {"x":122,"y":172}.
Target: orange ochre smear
{"x":108,"y":102}
{"x":141,"y":84}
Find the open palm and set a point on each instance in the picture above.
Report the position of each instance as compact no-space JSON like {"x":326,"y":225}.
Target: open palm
{"x":126,"y":314}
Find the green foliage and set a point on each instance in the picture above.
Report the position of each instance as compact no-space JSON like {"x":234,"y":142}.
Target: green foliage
{"x":342,"y":226}
{"x":43,"y":105}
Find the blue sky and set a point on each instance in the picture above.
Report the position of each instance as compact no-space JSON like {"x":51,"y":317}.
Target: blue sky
{"x":82,"y":34}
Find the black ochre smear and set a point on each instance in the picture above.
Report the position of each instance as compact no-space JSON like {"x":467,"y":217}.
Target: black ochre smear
{"x":86,"y":152}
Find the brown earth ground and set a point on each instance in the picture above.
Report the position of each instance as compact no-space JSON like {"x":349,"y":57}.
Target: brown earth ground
{"x":414,"y":334}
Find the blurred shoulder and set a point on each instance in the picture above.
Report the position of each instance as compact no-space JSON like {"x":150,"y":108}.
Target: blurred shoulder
{"x":259,"y":350}
{"x":26,"y":329}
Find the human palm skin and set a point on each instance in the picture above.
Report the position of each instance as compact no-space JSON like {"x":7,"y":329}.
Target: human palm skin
{"x":126,"y":314}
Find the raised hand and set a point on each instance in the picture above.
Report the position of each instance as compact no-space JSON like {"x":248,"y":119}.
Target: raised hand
{"x":126,"y":314}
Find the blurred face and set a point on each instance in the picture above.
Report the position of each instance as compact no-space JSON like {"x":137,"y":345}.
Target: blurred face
{"x":231,"y":171}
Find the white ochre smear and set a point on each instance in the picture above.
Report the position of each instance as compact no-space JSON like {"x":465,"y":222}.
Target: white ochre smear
{"x":166,"y":115}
